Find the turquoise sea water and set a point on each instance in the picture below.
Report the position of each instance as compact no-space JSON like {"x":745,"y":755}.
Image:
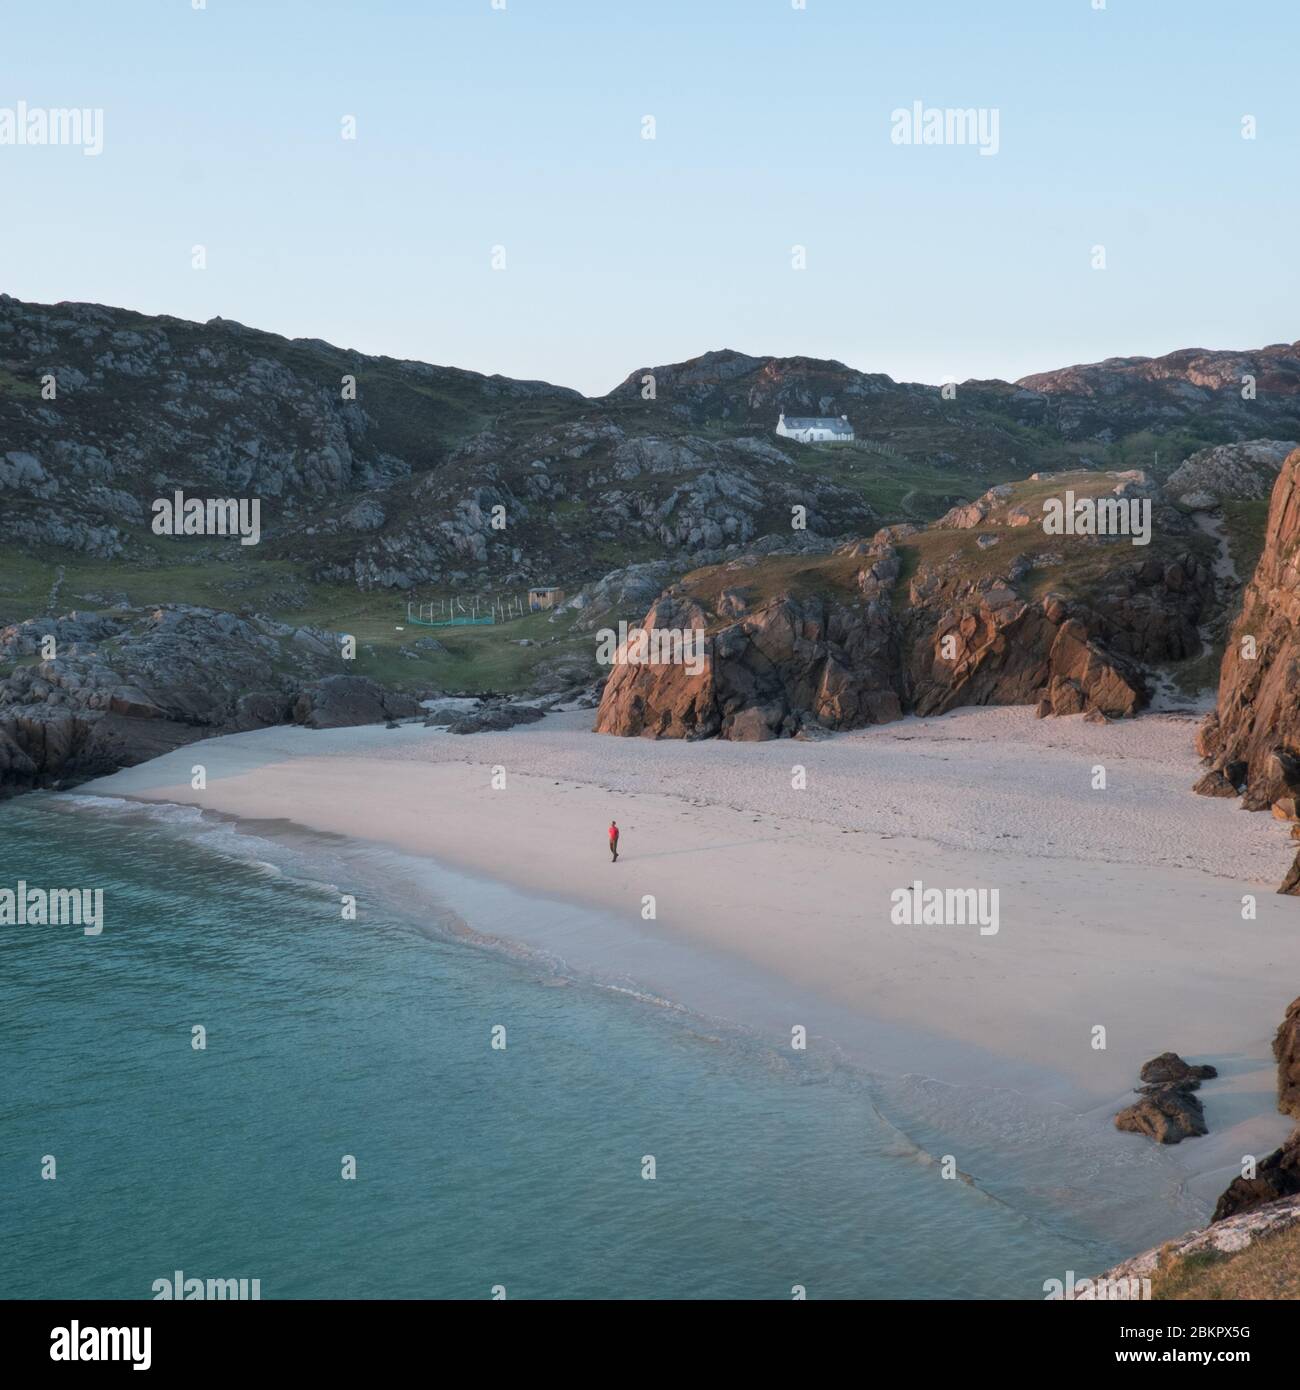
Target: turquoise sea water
{"x":475,"y":1167}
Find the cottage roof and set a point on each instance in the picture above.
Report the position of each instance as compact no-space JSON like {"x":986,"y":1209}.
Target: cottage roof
{"x":815,"y":422}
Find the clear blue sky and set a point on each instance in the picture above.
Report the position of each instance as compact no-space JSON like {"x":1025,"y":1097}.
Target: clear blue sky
{"x":522,"y":128}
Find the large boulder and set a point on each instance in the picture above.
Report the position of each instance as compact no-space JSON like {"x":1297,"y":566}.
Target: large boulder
{"x":494,"y":717}
{"x":1168,"y":1114}
{"x":1169,"y":1066}
{"x":783,"y":663}
{"x":663,"y":699}
{"x":1241,"y":472}
{"x":1167,"y":1110}
{"x":339,"y":702}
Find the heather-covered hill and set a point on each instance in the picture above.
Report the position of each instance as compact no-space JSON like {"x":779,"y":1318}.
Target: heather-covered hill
{"x":377,"y":474}
{"x":380,"y":479}
{"x":1244,"y":394}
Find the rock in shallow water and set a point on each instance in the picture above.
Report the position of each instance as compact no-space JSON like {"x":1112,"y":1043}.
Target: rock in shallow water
{"x":1169,"y":1066}
{"x":1168,"y":1114}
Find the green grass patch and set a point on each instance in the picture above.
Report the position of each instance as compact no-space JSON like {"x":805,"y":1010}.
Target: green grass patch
{"x":11,"y":385}
{"x":1244,"y":524}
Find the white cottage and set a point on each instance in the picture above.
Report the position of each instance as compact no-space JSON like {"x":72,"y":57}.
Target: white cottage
{"x":815,"y":429}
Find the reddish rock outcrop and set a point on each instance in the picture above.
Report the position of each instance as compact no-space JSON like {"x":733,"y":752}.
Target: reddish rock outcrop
{"x":790,"y":661}
{"x":1278,"y":1174}
{"x":1252,"y":740}
{"x":910,"y":621}
{"x":1286,"y":1050}
{"x":800,"y":660}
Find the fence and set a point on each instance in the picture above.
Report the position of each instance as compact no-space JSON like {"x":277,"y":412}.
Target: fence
{"x":459,"y":612}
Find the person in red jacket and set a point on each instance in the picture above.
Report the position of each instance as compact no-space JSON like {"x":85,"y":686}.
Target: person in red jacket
{"x":613,"y":841}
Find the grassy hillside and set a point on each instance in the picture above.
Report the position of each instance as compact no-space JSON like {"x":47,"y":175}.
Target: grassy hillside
{"x":367,"y":501}
{"x":1267,"y":1268}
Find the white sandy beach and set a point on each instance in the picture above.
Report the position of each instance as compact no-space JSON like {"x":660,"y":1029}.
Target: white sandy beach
{"x":1119,"y":908}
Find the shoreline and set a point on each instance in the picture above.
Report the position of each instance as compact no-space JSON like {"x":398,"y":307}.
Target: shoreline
{"x":928,"y":1108}
{"x":766,"y":919}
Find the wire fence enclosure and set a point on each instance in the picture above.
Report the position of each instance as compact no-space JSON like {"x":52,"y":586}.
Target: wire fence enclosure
{"x":476,"y":611}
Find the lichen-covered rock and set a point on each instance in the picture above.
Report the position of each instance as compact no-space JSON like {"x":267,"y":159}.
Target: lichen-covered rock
{"x":117,"y":688}
{"x":1241,"y":472}
{"x":1222,"y":1238}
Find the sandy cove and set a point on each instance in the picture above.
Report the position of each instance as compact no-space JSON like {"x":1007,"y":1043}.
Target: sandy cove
{"x":1118,"y":907}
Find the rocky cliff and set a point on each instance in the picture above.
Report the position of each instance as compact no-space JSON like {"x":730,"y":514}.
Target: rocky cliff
{"x":1277,"y":1174}
{"x":87,"y":693}
{"x":980,"y":608}
{"x":1251,"y":742}
{"x":1286,"y":1052}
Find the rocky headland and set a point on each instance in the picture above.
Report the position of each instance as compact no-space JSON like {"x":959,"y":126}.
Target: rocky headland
{"x":1251,"y":742}
{"x":980,"y":607}
{"x":87,"y":693}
